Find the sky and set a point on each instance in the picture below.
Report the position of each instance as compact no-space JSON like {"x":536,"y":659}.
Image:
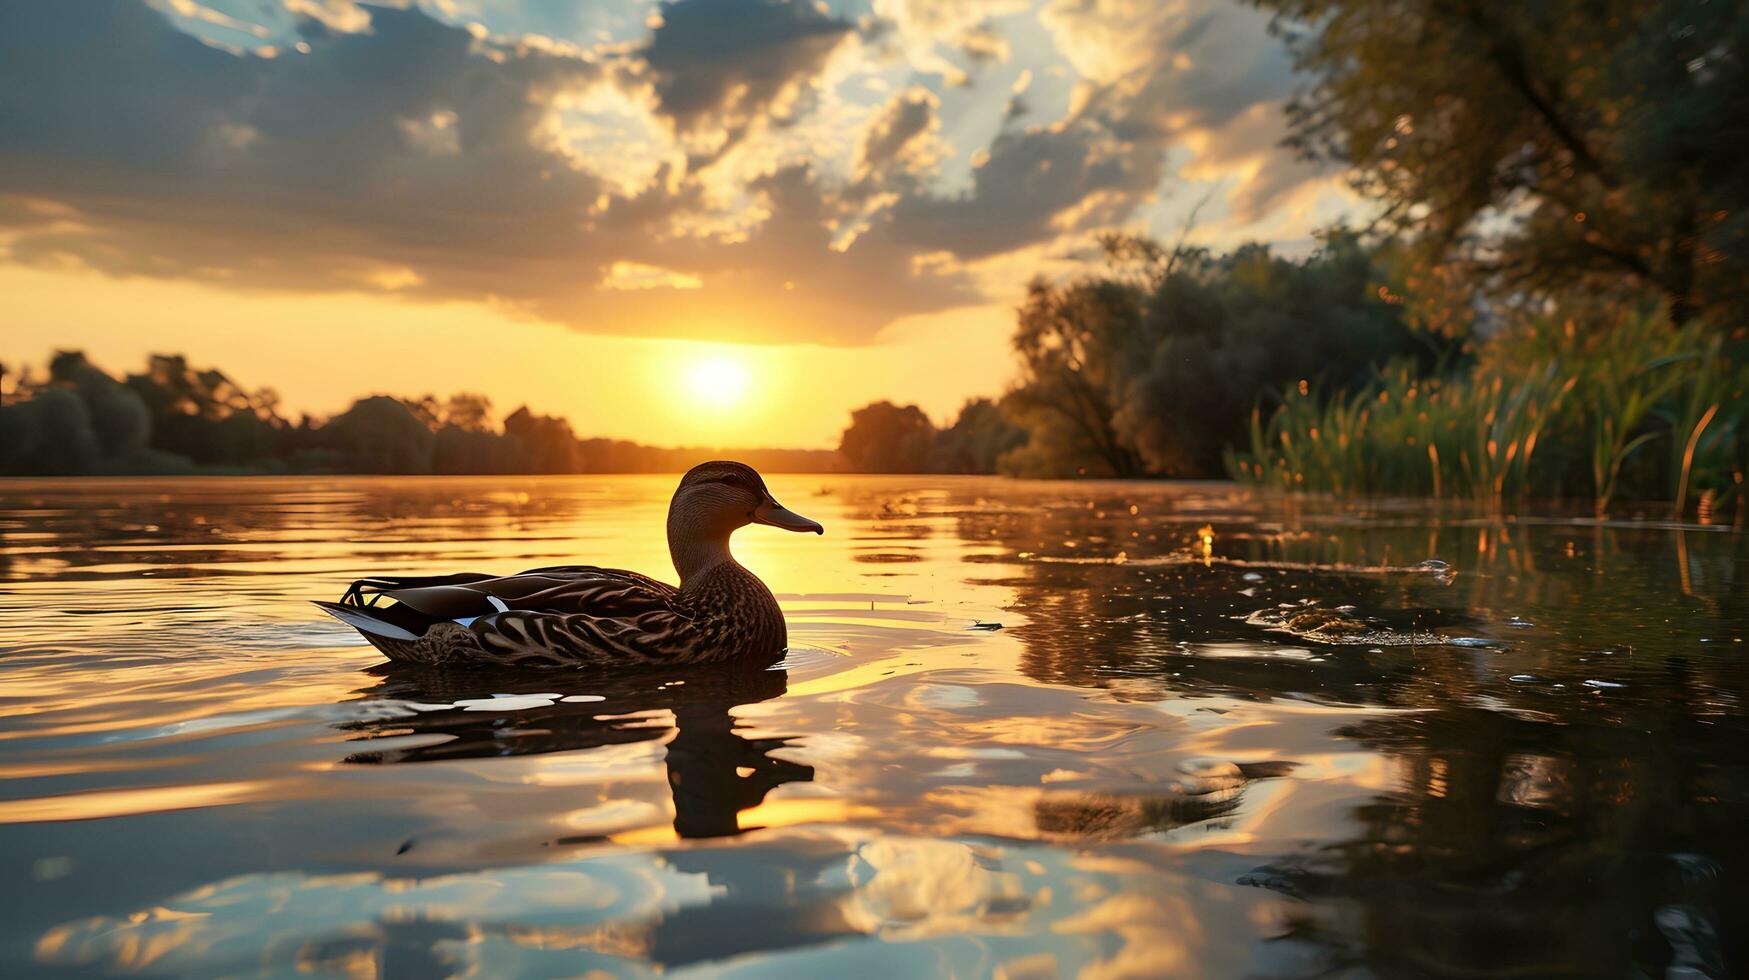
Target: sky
{"x":717,"y":222}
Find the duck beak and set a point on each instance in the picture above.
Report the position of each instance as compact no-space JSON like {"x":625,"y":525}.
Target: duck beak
{"x":777,"y":515}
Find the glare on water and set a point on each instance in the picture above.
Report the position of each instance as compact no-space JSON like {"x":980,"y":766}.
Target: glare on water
{"x":1023,"y":729}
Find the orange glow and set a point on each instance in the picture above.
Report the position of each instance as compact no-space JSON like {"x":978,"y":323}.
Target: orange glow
{"x":123,"y":802}
{"x":319,"y":352}
{"x":718,"y":382}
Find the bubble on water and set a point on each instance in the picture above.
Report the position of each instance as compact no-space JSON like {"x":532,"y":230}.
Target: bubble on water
{"x":1522,"y":678}
{"x":1252,"y":577}
{"x":1597,"y":683}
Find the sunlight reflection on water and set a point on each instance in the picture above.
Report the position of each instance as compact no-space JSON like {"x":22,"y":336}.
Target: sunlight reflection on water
{"x":1212,"y":735}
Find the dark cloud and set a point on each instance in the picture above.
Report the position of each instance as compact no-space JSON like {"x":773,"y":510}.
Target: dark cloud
{"x":723,"y":63}
{"x":1037,"y":183}
{"x":897,"y":130}
{"x":1158,"y":72}
{"x":412,"y":159}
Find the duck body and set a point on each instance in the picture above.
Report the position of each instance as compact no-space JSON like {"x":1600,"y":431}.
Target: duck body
{"x":585,"y":615}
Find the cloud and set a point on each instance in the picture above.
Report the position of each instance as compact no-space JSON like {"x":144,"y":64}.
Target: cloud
{"x":1154,"y":77}
{"x":412,"y":158}
{"x":756,"y":170}
{"x":923,"y":28}
{"x":1037,"y":183}
{"x":726,"y":63}
{"x":900,"y":133}
{"x":1194,"y":74}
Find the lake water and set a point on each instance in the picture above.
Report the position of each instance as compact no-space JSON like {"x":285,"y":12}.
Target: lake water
{"x":1214,"y":735}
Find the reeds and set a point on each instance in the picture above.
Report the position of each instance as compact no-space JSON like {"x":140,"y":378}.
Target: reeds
{"x":1547,"y":409}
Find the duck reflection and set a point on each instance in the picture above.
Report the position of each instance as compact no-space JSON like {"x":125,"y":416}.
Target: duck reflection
{"x":714,"y":772}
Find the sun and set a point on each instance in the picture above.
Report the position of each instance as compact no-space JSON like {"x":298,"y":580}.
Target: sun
{"x":719,"y":382}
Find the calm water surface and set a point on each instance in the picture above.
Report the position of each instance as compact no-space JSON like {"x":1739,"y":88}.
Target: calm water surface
{"x":1215,"y":735}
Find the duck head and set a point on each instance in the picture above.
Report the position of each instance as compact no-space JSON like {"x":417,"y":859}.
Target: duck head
{"x":713,"y":501}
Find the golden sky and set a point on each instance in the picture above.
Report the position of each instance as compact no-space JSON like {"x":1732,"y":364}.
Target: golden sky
{"x":705,"y":221}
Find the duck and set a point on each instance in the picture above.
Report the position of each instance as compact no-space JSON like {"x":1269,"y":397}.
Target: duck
{"x":588,"y":616}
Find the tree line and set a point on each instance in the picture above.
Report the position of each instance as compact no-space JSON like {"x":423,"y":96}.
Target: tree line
{"x":174,"y":418}
{"x":1151,"y":367}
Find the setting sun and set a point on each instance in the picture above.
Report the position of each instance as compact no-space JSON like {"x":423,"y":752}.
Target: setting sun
{"x":719,"y":382}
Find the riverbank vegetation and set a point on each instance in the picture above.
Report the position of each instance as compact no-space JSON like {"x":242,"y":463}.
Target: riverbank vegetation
{"x":76,"y":419}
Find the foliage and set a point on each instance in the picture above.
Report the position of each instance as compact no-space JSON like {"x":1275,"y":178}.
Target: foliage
{"x":174,"y":418}
{"x":1549,"y":410}
{"x":1153,"y":370}
{"x":1543,"y":146}
{"x":976,"y":441}
{"x":544,"y":443}
{"x":887,"y":438}
{"x":380,"y":434}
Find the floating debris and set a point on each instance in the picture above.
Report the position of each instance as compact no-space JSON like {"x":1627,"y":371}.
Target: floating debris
{"x":1343,"y":627}
{"x":1519,"y":623}
{"x":986,"y":627}
{"x":1441,"y":571}
{"x":1595,"y":683}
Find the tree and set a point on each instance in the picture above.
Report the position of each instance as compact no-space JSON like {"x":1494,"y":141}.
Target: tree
{"x":117,"y":417}
{"x":48,"y":435}
{"x":381,"y":434}
{"x":468,"y":411}
{"x":545,"y":444}
{"x":1073,"y":341}
{"x":977,"y":439}
{"x":887,"y":438}
{"x":1544,"y":145}
{"x":1153,"y":367}
{"x":460,"y":450}
{"x":203,"y":415}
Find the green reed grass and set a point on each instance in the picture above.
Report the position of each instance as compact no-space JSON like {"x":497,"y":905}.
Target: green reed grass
{"x":1547,"y":409}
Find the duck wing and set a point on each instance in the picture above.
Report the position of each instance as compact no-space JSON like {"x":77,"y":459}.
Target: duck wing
{"x":558,"y":589}
{"x":559,"y":615}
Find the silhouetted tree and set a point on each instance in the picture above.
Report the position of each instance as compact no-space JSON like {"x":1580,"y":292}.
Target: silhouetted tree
{"x":380,"y":434}
{"x":468,"y":411}
{"x":887,"y":438}
{"x":48,"y":435}
{"x":459,"y":450}
{"x":118,"y":418}
{"x":544,"y":444}
{"x":977,"y":439}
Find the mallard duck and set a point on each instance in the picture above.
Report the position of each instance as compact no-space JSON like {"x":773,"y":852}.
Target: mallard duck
{"x":581,"y":615}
